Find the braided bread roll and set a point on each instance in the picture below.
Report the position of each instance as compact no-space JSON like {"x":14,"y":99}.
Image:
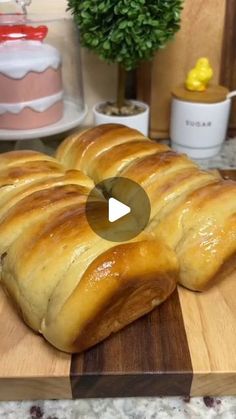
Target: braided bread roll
{"x":68,"y":283}
{"x":192,"y":211}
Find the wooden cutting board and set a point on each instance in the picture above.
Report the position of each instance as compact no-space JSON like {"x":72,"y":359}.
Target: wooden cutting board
{"x":187,"y":346}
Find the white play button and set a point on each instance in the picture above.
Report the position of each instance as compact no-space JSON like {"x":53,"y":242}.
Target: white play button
{"x":117,"y":210}
{"x":123,"y":214}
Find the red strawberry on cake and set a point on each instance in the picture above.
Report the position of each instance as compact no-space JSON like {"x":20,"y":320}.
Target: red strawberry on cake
{"x":31,"y":92}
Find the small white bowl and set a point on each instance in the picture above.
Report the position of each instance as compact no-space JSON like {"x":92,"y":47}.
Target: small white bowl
{"x":139,"y":121}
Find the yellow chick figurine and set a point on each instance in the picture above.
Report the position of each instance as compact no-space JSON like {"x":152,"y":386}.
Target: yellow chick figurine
{"x":199,"y":77}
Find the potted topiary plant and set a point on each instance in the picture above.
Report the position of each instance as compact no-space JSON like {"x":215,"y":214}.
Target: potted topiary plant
{"x":125,"y":32}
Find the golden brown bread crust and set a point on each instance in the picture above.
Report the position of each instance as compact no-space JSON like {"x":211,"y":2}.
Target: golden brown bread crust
{"x":51,"y":256}
{"x":168,"y":191}
{"x":114,"y":161}
{"x":13,"y":158}
{"x":171,"y":181}
{"x":150,"y":170}
{"x":29,"y":171}
{"x":124,"y":292}
{"x":202,"y":230}
{"x":25,"y":172}
{"x":42,"y":289}
{"x":226,"y":270}
{"x":88,"y":145}
{"x":36,"y":207}
{"x":43,"y":253}
{"x":15,"y":179}
{"x":77,"y":288}
{"x":64,"y":150}
{"x":72,"y":177}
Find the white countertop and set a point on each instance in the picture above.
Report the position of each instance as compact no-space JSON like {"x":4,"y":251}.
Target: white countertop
{"x":130,"y":408}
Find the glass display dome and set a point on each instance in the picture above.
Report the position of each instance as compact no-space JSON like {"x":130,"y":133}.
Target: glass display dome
{"x":41,"y":87}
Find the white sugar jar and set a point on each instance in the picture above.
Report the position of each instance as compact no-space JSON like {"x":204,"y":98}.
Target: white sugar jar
{"x":199,"y":121}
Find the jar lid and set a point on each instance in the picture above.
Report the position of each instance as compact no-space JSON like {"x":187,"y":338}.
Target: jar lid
{"x":213,"y":94}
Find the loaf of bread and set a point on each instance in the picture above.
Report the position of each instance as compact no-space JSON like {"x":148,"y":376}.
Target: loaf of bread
{"x":76,"y":288}
{"x":192,"y":211}
{"x":67,"y":283}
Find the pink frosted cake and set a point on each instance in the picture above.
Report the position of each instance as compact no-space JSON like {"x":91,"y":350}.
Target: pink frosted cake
{"x":31,"y":92}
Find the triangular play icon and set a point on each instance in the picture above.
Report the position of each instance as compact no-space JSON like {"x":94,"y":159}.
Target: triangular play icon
{"x":117,"y":210}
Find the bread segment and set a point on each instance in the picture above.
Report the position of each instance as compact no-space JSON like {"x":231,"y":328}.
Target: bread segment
{"x":72,"y":177}
{"x":81,"y":150}
{"x":202,"y":231}
{"x":66,"y":282}
{"x":111,"y":294}
{"x":114,"y":161}
{"x":17,"y":178}
{"x":73,"y":286}
{"x":36,"y":207}
{"x":183,"y":199}
{"x":15,"y":158}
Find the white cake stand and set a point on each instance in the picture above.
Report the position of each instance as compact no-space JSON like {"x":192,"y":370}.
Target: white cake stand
{"x":72,"y":118}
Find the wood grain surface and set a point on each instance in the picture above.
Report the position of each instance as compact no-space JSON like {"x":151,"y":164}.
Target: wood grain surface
{"x":150,"y":357}
{"x":201,"y":34}
{"x":210,"y":324}
{"x":213,"y":94}
{"x":29,"y":367}
{"x":228,"y":174}
{"x":228,"y":60}
{"x":185,"y":346}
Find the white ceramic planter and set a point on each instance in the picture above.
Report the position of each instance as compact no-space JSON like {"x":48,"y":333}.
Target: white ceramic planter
{"x":199,"y":129}
{"x":139,"y":121}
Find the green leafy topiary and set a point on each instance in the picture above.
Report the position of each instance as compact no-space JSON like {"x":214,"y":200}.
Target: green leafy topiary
{"x":126,"y":31}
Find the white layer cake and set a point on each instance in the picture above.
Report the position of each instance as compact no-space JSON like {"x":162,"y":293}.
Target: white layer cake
{"x":31,"y":92}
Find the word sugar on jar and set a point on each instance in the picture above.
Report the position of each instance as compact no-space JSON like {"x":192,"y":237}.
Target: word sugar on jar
{"x":199,"y":120}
